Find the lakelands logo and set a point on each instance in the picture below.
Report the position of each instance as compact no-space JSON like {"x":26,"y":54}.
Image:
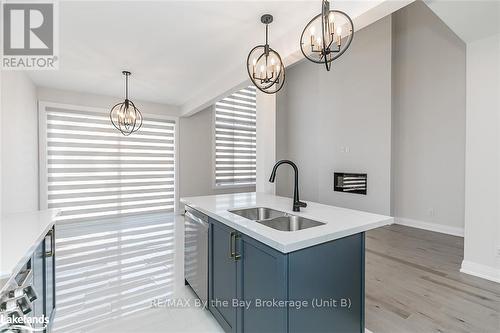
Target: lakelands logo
{"x":27,"y":324}
{"x":29,"y":34}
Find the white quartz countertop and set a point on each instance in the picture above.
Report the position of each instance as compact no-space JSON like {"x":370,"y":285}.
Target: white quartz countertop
{"x":20,"y":233}
{"x":339,"y":222}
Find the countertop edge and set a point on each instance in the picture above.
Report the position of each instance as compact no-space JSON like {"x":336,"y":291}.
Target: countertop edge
{"x":299,"y":245}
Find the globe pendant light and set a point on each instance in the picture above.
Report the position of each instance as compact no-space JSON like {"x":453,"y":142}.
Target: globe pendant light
{"x":264,"y":65}
{"x":125,"y":116}
{"x":327,"y":36}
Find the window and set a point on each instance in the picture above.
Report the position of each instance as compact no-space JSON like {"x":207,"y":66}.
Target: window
{"x":235,"y":133}
{"x":94,"y":172}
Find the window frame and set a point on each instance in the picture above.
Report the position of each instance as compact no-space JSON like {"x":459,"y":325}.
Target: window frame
{"x":42,"y":146}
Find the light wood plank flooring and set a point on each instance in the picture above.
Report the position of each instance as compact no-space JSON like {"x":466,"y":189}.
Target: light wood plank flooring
{"x":413,"y":284}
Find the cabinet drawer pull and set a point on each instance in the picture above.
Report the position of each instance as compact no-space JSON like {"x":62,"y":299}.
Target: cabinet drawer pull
{"x":231,"y":249}
{"x":232,"y":245}
{"x":50,"y":234}
{"x":237,"y":256}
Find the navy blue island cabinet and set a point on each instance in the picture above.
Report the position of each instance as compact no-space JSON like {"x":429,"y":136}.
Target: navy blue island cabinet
{"x":255,"y":288}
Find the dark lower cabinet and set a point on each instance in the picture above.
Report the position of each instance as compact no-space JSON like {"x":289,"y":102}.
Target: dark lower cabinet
{"x":43,"y":267}
{"x":255,"y":288}
{"x":37,"y":266}
{"x":49,"y":292}
{"x":222,"y":276}
{"x":322,"y":274}
{"x":262,"y":283}
{"x":244,"y":276}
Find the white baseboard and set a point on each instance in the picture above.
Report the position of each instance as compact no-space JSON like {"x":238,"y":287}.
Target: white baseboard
{"x":480,"y":270}
{"x":444,"y":229}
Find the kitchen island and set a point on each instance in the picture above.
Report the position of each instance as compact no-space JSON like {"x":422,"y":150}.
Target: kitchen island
{"x":261,"y":279}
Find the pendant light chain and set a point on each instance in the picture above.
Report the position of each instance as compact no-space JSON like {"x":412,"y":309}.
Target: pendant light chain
{"x":126,"y":86}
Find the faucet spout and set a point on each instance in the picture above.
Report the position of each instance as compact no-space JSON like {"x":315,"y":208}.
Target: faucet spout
{"x":296,"y":202}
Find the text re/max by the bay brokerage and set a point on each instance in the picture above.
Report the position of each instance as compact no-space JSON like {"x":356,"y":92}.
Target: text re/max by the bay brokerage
{"x":315,"y":303}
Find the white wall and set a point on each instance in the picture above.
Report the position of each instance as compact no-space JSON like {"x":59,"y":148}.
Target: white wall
{"x":266,"y":141}
{"x":321,"y":112}
{"x":428,"y":121}
{"x":196,"y":156}
{"x":1,"y":108}
{"x":19,"y":141}
{"x":482,"y":186}
{"x":100,"y":101}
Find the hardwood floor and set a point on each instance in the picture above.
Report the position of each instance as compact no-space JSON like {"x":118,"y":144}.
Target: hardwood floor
{"x":413,"y":284}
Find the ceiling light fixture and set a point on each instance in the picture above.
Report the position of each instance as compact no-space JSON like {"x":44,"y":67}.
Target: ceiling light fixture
{"x":125,"y":116}
{"x":327,"y":36}
{"x":264,"y":65}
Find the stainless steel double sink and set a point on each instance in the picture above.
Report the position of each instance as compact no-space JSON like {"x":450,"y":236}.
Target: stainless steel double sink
{"x":275,"y":219}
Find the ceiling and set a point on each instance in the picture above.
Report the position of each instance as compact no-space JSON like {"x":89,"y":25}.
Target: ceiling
{"x":470,"y":19}
{"x":179,"y":52}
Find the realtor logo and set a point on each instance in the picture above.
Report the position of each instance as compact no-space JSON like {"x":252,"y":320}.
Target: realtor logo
{"x":29,"y":32}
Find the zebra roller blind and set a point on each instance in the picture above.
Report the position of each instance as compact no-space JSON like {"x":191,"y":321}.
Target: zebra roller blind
{"x":95,"y":172}
{"x":235,"y":133}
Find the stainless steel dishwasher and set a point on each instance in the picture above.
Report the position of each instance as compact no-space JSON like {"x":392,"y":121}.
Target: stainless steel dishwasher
{"x":196,"y":228}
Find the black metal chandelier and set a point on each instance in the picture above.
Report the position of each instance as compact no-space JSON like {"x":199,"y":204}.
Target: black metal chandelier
{"x":327,"y":36}
{"x":125,"y":116}
{"x":264,"y":65}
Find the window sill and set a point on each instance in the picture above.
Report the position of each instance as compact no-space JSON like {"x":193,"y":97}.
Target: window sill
{"x":232,"y":186}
